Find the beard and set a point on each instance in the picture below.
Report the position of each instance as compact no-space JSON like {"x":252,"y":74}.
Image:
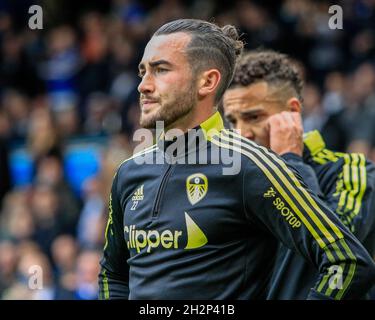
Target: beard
{"x":171,"y":111}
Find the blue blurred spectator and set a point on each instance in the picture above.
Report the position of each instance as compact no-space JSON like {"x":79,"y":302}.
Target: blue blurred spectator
{"x":90,"y":217}
{"x":87,"y":275}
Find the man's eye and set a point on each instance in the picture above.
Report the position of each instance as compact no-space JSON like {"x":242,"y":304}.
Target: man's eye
{"x":161,"y":70}
{"x":254,"y":117}
{"x":232,"y":122}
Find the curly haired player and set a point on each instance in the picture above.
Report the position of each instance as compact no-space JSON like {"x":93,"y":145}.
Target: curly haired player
{"x":264,"y":102}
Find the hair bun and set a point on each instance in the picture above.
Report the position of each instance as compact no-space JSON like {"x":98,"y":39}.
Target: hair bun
{"x":232,"y":33}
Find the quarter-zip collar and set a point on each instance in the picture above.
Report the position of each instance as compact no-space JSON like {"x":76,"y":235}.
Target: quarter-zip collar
{"x":192,"y":140}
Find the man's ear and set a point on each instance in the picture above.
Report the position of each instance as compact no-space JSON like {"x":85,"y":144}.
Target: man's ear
{"x":208,"y":82}
{"x":294,"y":105}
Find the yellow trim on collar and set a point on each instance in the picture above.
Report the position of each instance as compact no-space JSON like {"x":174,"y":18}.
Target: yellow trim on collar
{"x":212,"y":126}
{"x":314,"y":142}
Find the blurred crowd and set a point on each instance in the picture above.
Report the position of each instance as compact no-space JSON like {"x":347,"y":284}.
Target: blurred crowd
{"x":77,"y":78}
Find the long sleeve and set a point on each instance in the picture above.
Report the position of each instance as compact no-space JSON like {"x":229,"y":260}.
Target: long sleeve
{"x":114,"y":274}
{"x":348,"y":183}
{"x":277,"y":197}
{"x":306,"y":172}
{"x":351,"y":193}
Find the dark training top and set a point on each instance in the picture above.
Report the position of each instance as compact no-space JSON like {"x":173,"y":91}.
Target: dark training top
{"x":193,"y":231}
{"x":346,"y":183}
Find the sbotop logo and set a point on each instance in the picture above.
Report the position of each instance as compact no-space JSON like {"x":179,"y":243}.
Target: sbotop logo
{"x":282,"y":208}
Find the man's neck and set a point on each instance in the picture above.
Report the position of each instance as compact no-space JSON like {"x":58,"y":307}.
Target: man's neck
{"x":189,"y":121}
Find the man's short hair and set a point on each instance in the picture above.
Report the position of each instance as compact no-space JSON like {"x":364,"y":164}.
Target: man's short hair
{"x":210,"y":47}
{"x":275,"y":68}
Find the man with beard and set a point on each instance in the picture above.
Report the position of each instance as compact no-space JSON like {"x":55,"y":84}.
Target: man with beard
{"x":182,"y":230}
{"x":264,"y":102}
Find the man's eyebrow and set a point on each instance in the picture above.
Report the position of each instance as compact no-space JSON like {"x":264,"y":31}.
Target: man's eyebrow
{"x":251,"y":111}
{"x":153,"y":64}
{"x":159,"y":62}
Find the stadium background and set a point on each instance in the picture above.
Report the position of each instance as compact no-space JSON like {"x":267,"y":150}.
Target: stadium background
{"x":68,"y":108}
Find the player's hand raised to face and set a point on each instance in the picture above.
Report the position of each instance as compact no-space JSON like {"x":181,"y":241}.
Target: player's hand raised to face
{"x":286,"y":133}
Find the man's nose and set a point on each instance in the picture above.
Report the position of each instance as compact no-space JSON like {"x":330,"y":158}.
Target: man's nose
{"x":146,"y":85}
{"x":245,"y":130}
